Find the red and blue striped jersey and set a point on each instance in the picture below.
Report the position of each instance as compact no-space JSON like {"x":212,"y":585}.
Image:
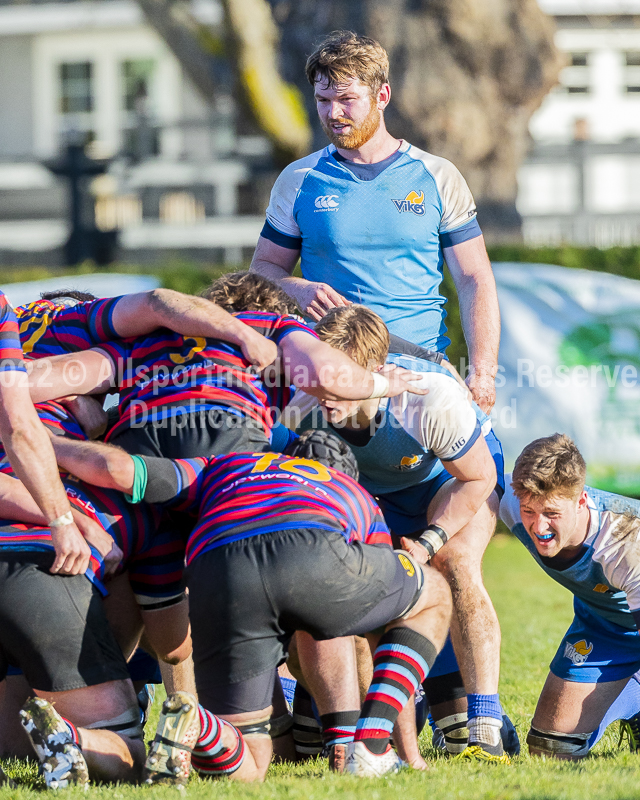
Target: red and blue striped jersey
{"x":241,"y":495}
{"x":48,"y":329}
{"x":166,"y":374}
{"x":10,"y":349}
{"x":153,"y":551}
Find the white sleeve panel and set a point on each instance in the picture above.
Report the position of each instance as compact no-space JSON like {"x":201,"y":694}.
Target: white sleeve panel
{"x":617,"y":550}
{"x":285,"y":191}
{"x":509,"y":506}
{"x":443,"y":420}
{"x":458,"y":205}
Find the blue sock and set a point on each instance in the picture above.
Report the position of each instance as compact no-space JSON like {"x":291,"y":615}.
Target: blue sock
{"x":625,"y":706}
{"x":484,"y":705}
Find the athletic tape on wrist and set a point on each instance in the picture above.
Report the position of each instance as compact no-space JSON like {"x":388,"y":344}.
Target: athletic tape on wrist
{"x":64,"y":519}
{"x":432,"y":539}
{"x":380,"y":385}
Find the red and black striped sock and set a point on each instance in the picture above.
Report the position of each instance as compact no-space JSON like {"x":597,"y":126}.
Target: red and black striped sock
{"x":210,"y":757}
{"x":72,"y":730}
{"x":401,"y":662}
{"x":339,"y":727}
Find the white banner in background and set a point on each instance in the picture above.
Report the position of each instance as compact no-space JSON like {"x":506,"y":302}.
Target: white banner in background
{"x":570,"y":362}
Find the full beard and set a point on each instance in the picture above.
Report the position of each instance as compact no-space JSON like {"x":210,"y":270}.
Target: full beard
{"x":359,"y":135}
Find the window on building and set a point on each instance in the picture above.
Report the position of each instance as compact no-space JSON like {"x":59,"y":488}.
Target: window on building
{"x":136,"y":81}
{"x":76,"y":90}
{"x":578,"y":59}
{"x":632,"y":58}
{"x":576,"y":76}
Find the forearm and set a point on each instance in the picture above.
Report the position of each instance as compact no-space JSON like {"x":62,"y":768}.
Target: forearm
{"x":278,"y":275}
{"x":480,"y":316}
{"x":96,"y":463}
{"x":460,"y":504}
{"x":31,"y":457}
{"x":325,"y":372}
{"x":89,"y":372}
{"x":181,"y":313}
{"x":17,"y":504}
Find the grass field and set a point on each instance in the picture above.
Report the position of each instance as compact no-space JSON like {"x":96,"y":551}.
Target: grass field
{"x":534,"y":612}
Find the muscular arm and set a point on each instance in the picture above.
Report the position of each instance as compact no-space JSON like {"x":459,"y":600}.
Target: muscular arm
{"x":31,"y":457}
{"x":95,"y":462}
{"x":140,"y":314}
{"x":475,"y":479}
{"x":471,"y":271}
{"x":277,"y":263}
{"x":89,"y":372}
{"x":330,"y":374}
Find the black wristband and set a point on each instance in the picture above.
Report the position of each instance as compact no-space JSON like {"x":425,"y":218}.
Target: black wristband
{"x":432,"y":539}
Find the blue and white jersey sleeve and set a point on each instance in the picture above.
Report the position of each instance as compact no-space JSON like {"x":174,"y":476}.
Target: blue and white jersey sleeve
{"x":616,"y":547}
{"x":442,"y":421}
{"x":280,"y":211}
{"x":510,"y":508}
{"x":458,"y":221}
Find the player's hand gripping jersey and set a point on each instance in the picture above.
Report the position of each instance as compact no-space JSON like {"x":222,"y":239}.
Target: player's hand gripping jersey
{"x":242,"y":495}
{"x":10,"y":348}
{"x":153,"y":551}
{"x":605,"y":575}
{"x":49,"y":329}
{"x":164,"y":374}
{"x":377,"y":242}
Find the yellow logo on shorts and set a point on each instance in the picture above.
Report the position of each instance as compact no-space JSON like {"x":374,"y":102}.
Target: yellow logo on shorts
{"x":407,"y":565}
{"x":601,"y":588}
{"x":578,"y":652}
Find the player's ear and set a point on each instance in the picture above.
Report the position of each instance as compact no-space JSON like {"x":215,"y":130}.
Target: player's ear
{"x":583,"y":500}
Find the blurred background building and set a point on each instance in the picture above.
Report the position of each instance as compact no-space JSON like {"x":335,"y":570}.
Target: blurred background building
{"x":191,"y":176}
{"x":581,"y":180}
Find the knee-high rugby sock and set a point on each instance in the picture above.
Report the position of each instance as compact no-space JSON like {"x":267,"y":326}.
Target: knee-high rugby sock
{"x":210,"y":757}
{"x":625,"y":706}
{"x":485,"y":721}
{"x":401,"y":662}
{"x":339,"y":727}
{"x":307,"y":732}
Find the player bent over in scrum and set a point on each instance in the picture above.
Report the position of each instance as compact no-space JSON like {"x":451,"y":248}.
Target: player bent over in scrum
{"x":316,"y":557}
{"x":435,"y":467}
{"x":586,"y":540}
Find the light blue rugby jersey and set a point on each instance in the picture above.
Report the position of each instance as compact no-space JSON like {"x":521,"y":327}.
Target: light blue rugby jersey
{"x":606,"y":577}
{"x":416,"y":432}
{"x":377,"y":242}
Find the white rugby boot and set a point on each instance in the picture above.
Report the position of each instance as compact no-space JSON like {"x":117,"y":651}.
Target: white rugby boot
{"x":61,"y":761}
{"x":362,"y":762}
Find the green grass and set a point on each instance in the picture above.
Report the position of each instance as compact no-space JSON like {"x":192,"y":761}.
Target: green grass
{"x":534,"y":613}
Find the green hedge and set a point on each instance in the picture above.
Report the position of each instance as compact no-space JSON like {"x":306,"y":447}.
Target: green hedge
{"x":191,"y":277}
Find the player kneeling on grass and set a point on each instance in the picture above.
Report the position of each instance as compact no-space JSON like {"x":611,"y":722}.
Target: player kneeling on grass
{"x":282,"y":543}
{"x":586,"y":540}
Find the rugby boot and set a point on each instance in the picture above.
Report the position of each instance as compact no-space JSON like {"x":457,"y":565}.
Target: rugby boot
{"x":477,"y":753}
{"x":146,"y":696}
{"x":509,"y":736}
{"x":5,"y":780}
{"x":631,"y":729}
{"x":337,"y":754}
{"x":61,"y":761}
{"x":362,"y":762}
{"x":169,"y":759}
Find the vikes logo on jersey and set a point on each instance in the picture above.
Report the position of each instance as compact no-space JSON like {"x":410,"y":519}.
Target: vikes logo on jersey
{"x":409,"y":462}
{"x":412,"y":202}
{"x":326,"y":202}
{"x":578,"y":652}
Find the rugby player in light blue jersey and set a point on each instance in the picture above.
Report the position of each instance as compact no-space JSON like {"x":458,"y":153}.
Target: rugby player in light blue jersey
{"x":372,"y":219}
{"x":587,"y":541}
{"x":431,"y":464}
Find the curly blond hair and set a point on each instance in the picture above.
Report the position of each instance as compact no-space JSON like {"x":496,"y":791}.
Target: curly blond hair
{"x":549,"y":466}
{"x":246,"y":291}
{"x":358,"y":332}
{"x":345,"y":55}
